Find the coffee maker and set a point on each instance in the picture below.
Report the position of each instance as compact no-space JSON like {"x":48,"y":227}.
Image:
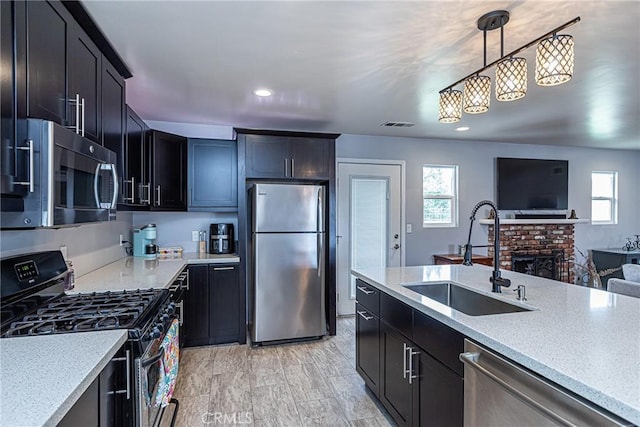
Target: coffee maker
{"x":221,"y":239}
{"x":144,"y":241}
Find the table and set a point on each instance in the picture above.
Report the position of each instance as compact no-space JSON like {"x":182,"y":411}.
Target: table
{"x":447,"y":259}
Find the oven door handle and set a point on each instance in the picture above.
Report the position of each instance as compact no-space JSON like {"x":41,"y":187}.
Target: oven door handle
{"x":153,"y":359}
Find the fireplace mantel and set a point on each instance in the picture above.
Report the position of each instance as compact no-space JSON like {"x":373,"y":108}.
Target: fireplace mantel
{"x":487,"y":221}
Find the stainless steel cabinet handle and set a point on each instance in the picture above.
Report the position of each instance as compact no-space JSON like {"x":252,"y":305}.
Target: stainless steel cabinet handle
{"x":82,"y":120}
{"x":222,"y":268}
{"x":187,"y":279}
{"x":31,"y":182}
{"x":286,"y":172}
{"x":292,"y":170}
{"x":148,"y":193}
{"x":126,"y":359}
{"x":404,"y":359}
{"x":470,"y":359}
{"x":158,"y":192}
{"x":366,"y":290}
{"x":133,"y":187}
{"x":364,"y":316}
{"x":410,"y":373}
{"x":181,"y":306}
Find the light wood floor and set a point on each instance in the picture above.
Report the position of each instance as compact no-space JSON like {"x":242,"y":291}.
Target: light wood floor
{"x":312,"y":383}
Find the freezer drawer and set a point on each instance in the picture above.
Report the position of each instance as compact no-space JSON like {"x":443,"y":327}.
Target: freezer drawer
{"x":288,"y":286}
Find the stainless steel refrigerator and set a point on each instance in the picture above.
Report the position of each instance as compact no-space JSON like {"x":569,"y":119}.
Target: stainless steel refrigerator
{"x":288,"y":260}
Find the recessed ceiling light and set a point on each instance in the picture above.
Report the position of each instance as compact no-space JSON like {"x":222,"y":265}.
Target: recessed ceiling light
{"x":462,"y":128}
{"x":263,"y":92}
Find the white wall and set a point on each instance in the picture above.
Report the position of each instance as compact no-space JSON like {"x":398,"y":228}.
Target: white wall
{"x":476,"y":182}
{"x":174,"y":228}
{"x":89,"y":246}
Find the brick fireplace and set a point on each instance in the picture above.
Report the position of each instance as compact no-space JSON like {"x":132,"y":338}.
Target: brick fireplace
{"x":543,"y":249}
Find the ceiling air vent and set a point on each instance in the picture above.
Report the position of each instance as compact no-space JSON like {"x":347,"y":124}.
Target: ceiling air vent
{"x":398,"y":124}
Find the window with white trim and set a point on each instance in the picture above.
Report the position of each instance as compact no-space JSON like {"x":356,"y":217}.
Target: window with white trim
{"x":439,"y":196}
{"x":604,"y":197}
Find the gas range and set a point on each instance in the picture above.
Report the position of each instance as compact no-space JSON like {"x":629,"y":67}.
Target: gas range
{"x":33,"y":303}
{"x":86,"y":312}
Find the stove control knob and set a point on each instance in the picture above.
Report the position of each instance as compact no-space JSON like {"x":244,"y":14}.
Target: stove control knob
{"x":155,"y":333}
{"x":164,"y":318}
{"x":171,"y":308}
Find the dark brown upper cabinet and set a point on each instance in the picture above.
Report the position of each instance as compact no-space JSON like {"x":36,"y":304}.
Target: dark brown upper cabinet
{"x":63,"y":73}
{"x":213,"y":175}
{"x":168,"y":171}
{"x":288,"y":157}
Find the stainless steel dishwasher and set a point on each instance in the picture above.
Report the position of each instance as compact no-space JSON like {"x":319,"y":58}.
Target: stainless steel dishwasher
{"x":497,"y":392}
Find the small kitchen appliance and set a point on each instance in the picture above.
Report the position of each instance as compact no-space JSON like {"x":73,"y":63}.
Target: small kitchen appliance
{"x":144,"y":241}
{"x":221,"y":236}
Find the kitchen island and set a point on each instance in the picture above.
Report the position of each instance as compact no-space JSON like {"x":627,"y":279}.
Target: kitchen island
{"x":585,"y":340}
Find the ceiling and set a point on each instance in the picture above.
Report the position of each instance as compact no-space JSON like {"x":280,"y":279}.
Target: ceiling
{"x":347,"y":67}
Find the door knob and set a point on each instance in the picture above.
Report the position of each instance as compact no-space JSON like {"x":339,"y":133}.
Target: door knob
{"x":396,"y":246}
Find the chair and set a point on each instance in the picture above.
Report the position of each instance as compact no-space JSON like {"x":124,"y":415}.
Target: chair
{"x":630,"y":285}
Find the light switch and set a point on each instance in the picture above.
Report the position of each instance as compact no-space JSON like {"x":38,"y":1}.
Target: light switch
{"x":409,"y":228}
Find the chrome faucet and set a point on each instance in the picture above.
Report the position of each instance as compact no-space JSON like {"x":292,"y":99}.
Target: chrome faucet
{"x":496,"y":281}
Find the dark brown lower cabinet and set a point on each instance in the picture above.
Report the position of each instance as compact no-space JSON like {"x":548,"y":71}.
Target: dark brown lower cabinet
{"x":419,"y":381}
{"x":368,"y":347}
{"x":396,"y":393}
{"x":212,"y":305}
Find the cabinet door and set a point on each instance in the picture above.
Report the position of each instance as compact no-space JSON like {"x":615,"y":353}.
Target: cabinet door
{"x":113,"y":109}
{"x":268,"y":156}
{"x":135,"y":188}
{"x":224,"y":302}
{"x":368,"y":347}
{"x":47,"y":31}
{"x":196,"y":307}
{"x":395,"y":390}
{"x":441,"y":401}
{"x":7,"y":102}
{"x":213,"y":174}
{"x":85,"y":69}
{"x":310,"y":158}
{"x":169,"y":165}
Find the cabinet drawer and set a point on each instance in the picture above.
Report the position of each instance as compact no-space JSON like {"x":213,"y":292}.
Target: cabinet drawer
{"x":396,"y":314}
{"x":439,"y":340}
{"x":368,"y":296}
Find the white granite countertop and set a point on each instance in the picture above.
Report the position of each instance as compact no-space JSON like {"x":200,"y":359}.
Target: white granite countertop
{"x":586,"y":340}
{"x":141,"y":273}
{"x":42,"y":377}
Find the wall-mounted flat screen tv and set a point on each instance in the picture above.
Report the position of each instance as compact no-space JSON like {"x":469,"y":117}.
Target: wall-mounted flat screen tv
{"x":530,"y":184}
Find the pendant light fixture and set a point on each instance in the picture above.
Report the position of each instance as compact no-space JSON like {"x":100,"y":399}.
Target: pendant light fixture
{"x":554,"y":60}
{"x":450,"y":106}
{"x":511,"y":79}
{"x":554,"y":66}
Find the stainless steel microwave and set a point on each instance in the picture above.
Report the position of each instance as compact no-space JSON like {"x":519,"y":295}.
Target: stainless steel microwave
{"x":61,"y":179}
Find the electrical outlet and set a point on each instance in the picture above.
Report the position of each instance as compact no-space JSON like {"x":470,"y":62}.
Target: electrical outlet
{"x":63,"y":249}
{"x":121,"y":240}
{"x":409,"y":228}
{"x":195,"y":235}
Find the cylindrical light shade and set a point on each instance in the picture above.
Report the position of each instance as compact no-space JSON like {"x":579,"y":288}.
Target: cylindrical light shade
{"x":511,"y":79}
{"x":554,"y":60}
{"x":450,"y":106}
{"x":477,"y":94}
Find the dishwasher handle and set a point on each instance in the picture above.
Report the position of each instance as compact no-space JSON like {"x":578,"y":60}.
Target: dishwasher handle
{"x":470,"y":359}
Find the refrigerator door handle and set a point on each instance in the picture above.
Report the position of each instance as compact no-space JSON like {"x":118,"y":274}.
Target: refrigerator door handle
{"x":320,"y":254}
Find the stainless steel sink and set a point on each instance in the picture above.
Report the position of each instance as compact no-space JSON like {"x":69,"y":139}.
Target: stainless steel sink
{"x":463,"y":299}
